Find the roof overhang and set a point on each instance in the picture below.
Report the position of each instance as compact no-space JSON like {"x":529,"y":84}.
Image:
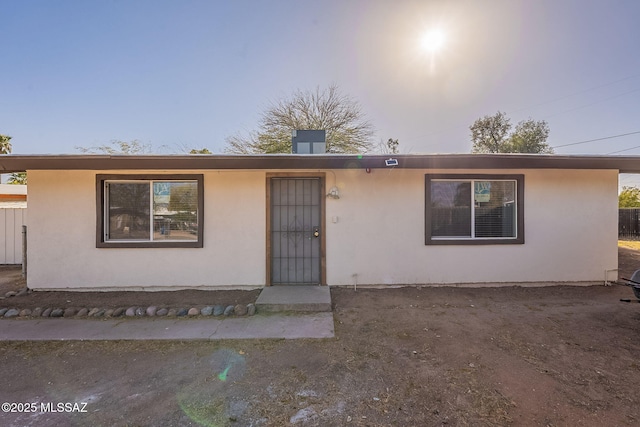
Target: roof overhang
{"x":18,"y":163}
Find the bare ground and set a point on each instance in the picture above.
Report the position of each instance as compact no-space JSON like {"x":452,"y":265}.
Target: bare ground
{"x":558,"y":356}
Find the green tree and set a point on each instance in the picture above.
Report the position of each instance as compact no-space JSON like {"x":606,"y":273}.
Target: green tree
{"x":492,"y":134}
{"x":5,"y":145}
{"x":19,"y":178}
{"x":342,"y":118}
{"x":5,"y":148}
{"x":200,"y":151}
{"x":118,"y":147}
{"x":629,"y":197}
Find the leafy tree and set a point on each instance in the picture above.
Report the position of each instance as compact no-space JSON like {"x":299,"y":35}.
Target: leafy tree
{"x":5,"y":148}
{"x":342,"y":118}
{"x":629,"y":197}
{"x":200,"y":151}
{"x":118,"y":147}
{"x":19,"y":178}
{"x":5,"y":145}
{"x":491,"y":134}
{"x":530,"y":137}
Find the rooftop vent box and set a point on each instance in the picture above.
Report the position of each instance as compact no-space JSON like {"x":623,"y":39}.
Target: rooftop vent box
{"x":309,"y":142}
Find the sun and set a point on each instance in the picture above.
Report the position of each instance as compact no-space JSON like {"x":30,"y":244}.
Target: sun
{"x":433,"y":41}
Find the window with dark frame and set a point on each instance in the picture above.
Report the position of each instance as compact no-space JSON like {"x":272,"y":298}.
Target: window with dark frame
{"x":474,"y":209}
{"x":149,"y":211}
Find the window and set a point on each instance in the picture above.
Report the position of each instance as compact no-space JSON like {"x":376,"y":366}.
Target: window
{"x":474,"y":209}
{"x":149,"y":211}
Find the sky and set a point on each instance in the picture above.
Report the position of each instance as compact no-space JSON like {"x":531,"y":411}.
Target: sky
{"x":188,"y":73}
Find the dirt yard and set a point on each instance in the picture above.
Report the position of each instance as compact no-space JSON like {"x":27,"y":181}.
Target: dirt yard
{"x":559,"y":356}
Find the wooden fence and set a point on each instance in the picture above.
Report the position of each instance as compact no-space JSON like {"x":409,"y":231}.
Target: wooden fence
{"x":11,"y":222}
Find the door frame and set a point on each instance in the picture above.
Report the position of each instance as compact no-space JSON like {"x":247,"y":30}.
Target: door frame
{"x":321,"y":176}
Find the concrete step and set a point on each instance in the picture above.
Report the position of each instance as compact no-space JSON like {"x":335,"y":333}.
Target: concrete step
{"x":294,"y":298}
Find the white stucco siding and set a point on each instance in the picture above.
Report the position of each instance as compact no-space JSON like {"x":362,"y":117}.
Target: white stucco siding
{"x":571,"y":225}
{"x":62,"y":238}
{"x":380,"y":225}
{"x":374,"y":234}
{"x":570,"y":232}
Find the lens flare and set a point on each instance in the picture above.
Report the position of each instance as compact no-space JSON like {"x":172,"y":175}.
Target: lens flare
{"x":222,"y":376}
{"x":207,"y":402}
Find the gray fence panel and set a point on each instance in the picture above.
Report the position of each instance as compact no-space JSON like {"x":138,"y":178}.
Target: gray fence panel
{"x":11,"y":222}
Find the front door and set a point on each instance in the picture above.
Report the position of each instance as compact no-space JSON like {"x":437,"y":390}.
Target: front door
{"x":295,"y":230}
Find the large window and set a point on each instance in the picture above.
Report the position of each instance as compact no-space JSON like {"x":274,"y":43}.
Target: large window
{"x":149,"y":211}
{"x":474,"y":209}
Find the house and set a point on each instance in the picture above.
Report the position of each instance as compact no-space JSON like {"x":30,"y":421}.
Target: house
{"x":155,"y":222}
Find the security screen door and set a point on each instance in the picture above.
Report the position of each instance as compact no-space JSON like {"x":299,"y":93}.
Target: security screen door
{"x":295,"y":231}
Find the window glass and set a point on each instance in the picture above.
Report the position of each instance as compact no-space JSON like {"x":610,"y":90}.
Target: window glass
{"x":148,"y":211}
{"x":474,"y":210}
{"x":495,"y":208}
{"x":175,"y":210}
{"x":128,"y":211}
{"x":450,"y":209}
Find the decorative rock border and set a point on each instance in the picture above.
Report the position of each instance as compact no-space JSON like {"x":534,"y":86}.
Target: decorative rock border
{"x":129,"y":312}
{"x":123,"y":312}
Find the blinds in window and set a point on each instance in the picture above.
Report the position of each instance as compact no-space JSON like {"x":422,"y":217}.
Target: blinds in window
{"x":494,"y":208}
{"x":473,"y":209}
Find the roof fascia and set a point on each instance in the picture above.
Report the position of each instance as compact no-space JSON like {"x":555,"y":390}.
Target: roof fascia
{"x":16,"y":163}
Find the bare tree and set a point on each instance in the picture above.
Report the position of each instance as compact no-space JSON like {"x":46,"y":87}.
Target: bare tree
{"x":118,"y":147}
{"x":342,"y":118}
{"x":392,"y":146}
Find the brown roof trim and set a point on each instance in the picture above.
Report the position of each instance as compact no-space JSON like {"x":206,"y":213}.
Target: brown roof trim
{"x":17,"y":163}
{"x":13,"y":197}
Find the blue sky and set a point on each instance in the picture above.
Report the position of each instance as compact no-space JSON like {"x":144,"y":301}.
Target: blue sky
{"x":191,"y":73}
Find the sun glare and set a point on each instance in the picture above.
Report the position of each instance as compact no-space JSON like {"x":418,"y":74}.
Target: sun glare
{"x":433,"y":41}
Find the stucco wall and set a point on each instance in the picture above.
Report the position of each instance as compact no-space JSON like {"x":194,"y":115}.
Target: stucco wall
{"x":570,"y":231}
{"x":62,"y":237}
{"x":374,"y":232}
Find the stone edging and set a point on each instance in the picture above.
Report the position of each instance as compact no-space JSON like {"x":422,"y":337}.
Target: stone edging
{"x":127,"y":312}
{"x":130,"y":312}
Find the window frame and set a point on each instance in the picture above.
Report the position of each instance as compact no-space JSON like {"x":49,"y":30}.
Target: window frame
{"x":101,"y":214}
{"x":518,"y":240}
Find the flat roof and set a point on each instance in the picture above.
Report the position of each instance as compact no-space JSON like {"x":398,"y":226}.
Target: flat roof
{"x":18,"y":163}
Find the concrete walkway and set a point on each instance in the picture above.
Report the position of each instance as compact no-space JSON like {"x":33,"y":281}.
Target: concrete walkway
{"x":287,"y":326}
